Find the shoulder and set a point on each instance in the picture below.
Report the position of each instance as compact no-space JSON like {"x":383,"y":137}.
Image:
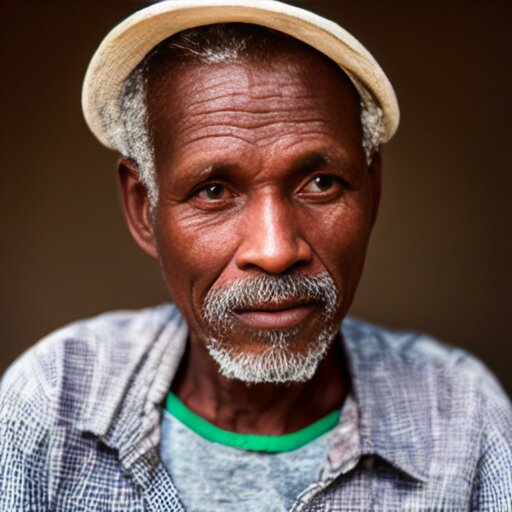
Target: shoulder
{"x":447,"y":368}
{"x":442,"y":381}
{"x":412,"y":386}
{"x":47,"y":395}
{"x":64,"y":364}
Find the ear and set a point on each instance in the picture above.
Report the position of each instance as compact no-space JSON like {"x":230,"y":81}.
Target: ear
{"x":375,"y":170}
{"x":136,"y":206}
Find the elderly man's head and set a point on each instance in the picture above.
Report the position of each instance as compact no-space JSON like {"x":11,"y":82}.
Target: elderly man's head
{"x":251,"y":177}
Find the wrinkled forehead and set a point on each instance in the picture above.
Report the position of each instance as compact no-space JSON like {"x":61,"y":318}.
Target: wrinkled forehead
{"x":252,"y":46}
{"x":226,"y":109}
{"x":292,"y":88}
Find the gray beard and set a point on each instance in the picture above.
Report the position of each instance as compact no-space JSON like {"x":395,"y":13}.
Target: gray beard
{"x":278,"y":362}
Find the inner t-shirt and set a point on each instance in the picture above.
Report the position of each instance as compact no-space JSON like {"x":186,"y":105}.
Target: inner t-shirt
{"x":214,"y":469}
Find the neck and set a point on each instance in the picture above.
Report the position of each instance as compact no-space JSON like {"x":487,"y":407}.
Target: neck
{"x":265,"y":409}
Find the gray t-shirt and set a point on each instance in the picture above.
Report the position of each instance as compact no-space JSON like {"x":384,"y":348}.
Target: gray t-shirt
{"x":213,"y":477}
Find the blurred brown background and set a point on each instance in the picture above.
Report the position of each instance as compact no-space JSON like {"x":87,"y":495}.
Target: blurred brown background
{"x":441,"y":252}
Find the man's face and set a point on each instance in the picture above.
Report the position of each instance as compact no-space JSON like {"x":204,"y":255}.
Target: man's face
{"x":262,"y":181}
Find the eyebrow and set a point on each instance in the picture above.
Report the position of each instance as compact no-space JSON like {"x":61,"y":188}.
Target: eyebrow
{"x":212,"y":169}
{"x":303,"y":163}
{"x":323,"y":157}
{"x":311,"y":161}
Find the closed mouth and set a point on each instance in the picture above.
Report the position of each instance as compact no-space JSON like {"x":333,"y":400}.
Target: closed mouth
{"x":281,"y":315}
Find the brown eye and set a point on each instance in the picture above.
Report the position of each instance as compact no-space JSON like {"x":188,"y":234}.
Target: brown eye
{"x":324,"y":182}
{"x":214,"y":191}
{"x":321,"y":183}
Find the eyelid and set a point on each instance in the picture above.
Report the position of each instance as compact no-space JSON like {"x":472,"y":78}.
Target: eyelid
{"x":208,"y":183}
{"x":205,"y":187}
{"x":200,"y":201}
{"x":339,"y":180}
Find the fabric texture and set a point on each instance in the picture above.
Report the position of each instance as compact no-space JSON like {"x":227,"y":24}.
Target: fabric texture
{"x":238,"y":479}
{"x":80,"y":417}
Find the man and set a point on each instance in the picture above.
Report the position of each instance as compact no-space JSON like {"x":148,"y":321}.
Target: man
{"x":250,"y":169}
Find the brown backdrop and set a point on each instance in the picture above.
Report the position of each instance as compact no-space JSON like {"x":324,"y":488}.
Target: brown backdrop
{"x":440,"y":256}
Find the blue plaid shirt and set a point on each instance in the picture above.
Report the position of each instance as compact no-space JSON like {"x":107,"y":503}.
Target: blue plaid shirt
{"x":428,"y":428}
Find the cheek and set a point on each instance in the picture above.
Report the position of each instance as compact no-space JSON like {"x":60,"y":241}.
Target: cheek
{"x":192,"y":255}
{"x":340,"y":239}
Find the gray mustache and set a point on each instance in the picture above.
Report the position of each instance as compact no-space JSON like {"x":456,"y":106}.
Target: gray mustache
{"x":220,"y":303}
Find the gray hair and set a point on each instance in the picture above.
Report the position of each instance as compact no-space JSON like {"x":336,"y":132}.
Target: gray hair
{"x":214,"y":44}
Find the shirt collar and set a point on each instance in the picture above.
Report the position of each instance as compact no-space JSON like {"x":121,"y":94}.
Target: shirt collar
{"x":146,"y":360}
{"x":394,"y":412}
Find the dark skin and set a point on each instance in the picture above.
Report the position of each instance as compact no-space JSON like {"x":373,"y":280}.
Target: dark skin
{"x":260,"y":170}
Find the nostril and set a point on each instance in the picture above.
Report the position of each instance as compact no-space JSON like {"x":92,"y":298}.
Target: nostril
{"x":277,"y":259}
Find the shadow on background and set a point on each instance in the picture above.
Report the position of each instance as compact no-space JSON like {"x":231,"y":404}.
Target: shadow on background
{"x":440,"y":256}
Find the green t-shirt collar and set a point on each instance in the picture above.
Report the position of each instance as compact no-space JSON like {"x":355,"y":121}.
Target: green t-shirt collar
{"x":250,"y":442}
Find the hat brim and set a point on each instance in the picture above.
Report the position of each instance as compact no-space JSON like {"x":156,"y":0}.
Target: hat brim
{"x":130,"y":41}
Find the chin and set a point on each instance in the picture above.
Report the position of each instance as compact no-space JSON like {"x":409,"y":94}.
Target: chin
{"x":278,"y":359}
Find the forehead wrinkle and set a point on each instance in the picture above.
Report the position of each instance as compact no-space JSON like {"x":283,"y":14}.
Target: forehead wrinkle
{"x":253,"y":117}
{"x":210,"y":79}
{"x":288,"y":90}
{"x":249,"y":112}
{"x":250,"y":76}
{"x":308,"y":152}
{"x":206,"y":137}
{"x":241,"y":102}
{"x":201,"y":91}
{"x":254,"y":107}
{"x":255,"y":133}
{"x":275,"y":86}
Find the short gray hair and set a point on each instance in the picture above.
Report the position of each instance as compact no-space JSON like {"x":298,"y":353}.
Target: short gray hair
{"x":214,"y":44}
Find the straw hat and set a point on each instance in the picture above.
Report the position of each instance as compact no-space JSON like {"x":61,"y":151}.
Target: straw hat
{"x":130,"y":41}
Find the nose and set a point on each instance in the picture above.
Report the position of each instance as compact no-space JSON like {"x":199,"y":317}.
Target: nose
{"x":270,"y":240}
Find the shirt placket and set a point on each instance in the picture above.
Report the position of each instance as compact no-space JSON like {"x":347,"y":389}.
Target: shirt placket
{"x":343,"y":456}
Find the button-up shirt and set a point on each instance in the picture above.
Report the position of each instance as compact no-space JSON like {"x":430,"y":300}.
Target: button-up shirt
{"x":428,"y":427}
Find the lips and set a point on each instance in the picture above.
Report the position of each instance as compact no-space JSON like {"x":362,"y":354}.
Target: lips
{"x":275,"y":316}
